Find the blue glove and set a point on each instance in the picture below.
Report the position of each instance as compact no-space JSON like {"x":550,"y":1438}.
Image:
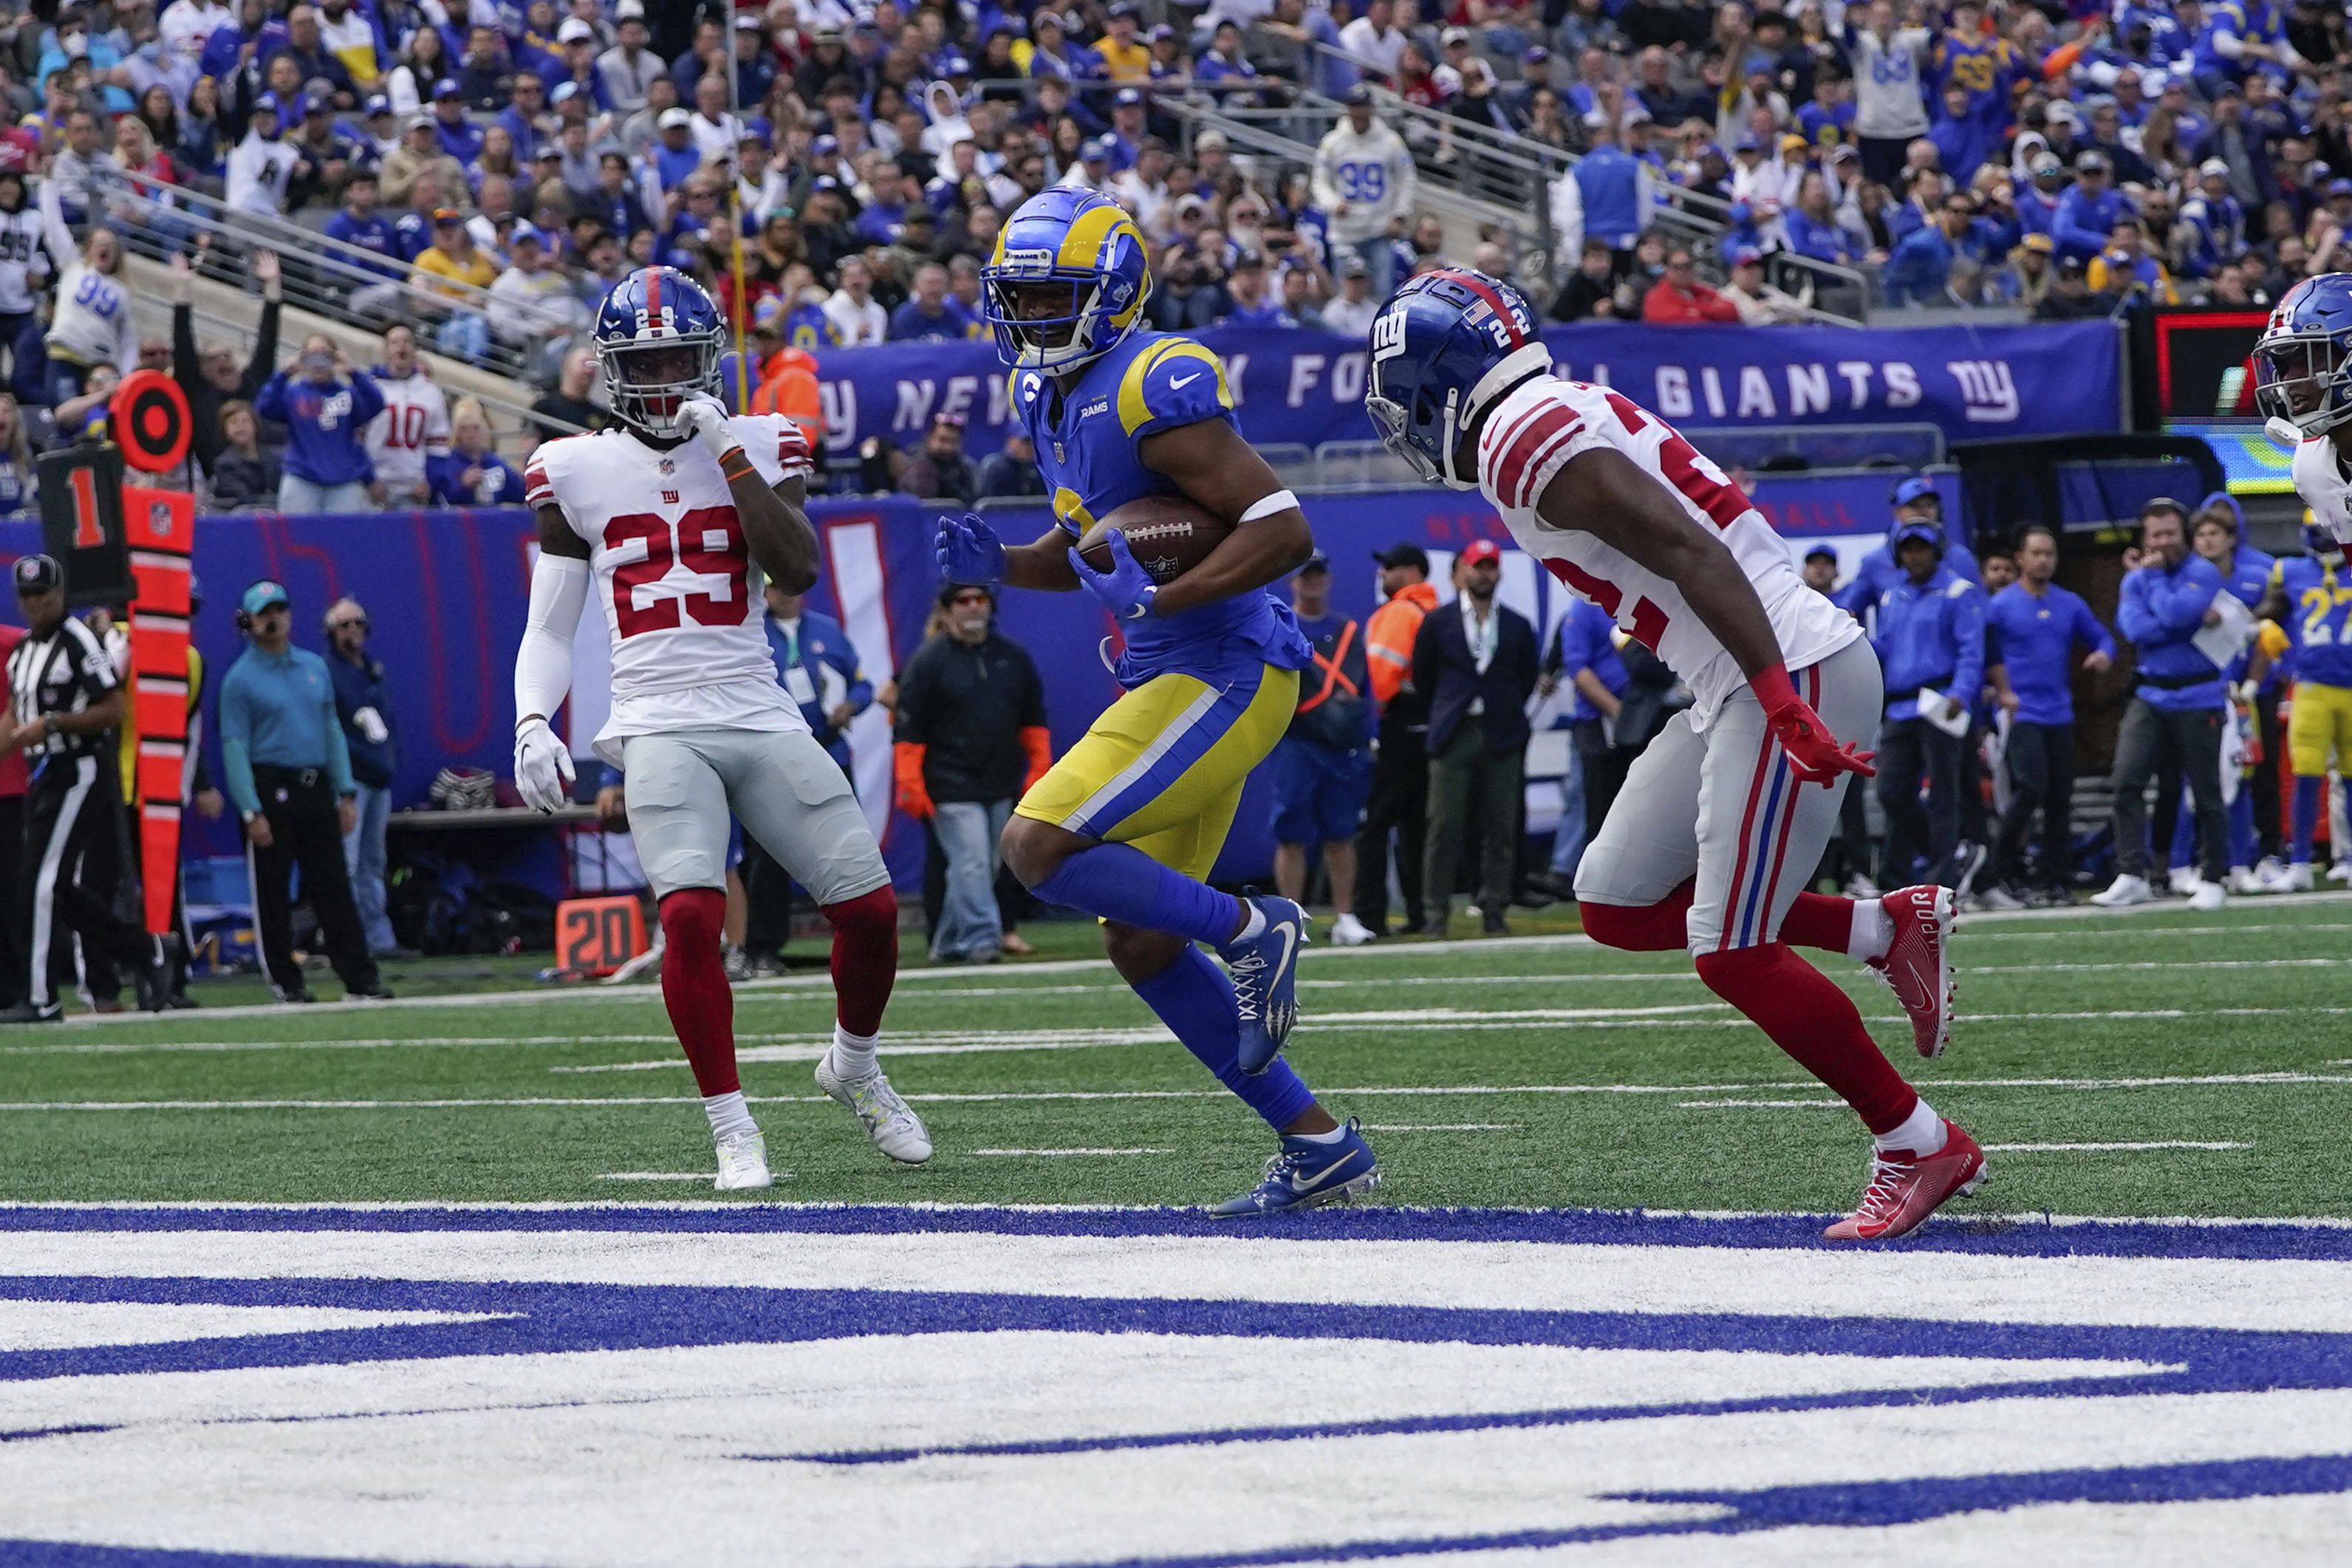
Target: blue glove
{"x":1127,"y":590}
{"x":968,"y":550}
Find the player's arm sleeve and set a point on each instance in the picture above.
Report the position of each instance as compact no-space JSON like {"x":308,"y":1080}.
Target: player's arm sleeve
{"x":1172,"y":384}
{"x":559,"y":590}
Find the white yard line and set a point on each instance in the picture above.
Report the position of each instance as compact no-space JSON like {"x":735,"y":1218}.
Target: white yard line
{"x":2105,"y":1148}
{"x":1440,"y":1126}
{"x":1055,"y":1154}
{"x":660,"y":1176}
{"x":1759,"y":1105}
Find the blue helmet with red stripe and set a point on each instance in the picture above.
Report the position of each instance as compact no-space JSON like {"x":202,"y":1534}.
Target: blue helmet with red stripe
{"x":658,"y":338}
{"x":1445,"y":347}
{"x":2303,"y":364}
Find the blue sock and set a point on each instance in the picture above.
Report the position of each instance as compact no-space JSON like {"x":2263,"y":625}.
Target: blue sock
{"x":2243,"y":843}
{"x":1119,"y":881}
{"x":1195,"y":1000}
{"x":2307,"y":816}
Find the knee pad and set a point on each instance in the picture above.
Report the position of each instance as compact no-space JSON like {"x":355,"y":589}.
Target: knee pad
{"x":869,"y":914}
{"x":693,"y":919}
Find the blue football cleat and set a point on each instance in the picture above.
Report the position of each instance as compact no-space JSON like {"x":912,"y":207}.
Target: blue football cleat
{"x":1305,"y":1174}
{"x":1266,"y":981}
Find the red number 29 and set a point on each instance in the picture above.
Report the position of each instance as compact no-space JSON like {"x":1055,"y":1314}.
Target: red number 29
{"x":729,"y":559}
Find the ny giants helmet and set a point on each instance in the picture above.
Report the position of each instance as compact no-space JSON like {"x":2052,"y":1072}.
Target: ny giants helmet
{"x":1447,"y":346}
{"x":2303,"y":365}
{"x":1067,"y":281}
{"x":658,"y":338}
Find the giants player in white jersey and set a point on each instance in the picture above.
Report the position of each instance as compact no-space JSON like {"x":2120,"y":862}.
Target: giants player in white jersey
{"x":413,"y":427}
{"x":1723,"y":818}
{"x":665,"y":513}
{"x":2303,"y":385}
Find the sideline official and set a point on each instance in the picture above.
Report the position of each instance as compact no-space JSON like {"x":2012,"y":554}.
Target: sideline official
{"x":1321,"y":772}
{"x":1399,"y":805}
{"x":64,"y":703}
{"x":290,"y":773}
{"x":1930,"y":641}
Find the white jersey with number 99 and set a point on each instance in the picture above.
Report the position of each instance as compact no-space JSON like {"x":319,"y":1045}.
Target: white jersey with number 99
{"x":672,"y":572}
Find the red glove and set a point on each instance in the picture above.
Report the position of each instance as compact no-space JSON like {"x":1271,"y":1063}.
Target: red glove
{"x":1814,"y":754}
{"x":906,"y":765}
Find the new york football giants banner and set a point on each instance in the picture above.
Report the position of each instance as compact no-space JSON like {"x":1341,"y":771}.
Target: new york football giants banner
{"x":1974,"y":384}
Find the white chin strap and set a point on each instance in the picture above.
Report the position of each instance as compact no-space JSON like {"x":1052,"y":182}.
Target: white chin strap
{"x":1513,"y":368}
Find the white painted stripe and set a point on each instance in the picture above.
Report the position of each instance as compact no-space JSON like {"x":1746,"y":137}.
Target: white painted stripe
{"x":1053,"y":1154}
{"x":1815,"y":1105}
{"x":661,"y":1176}
{"x":1441,"y":1126}
{"x":1082,"y":819}
{"x":2103,"y":1149}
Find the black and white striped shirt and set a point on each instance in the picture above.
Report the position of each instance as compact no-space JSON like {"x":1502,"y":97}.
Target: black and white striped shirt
{"x":64,"y":672}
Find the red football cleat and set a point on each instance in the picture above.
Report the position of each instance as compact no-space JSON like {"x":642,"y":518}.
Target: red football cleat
{"x":1917,"y":966}
{"x":1906,"y":1188}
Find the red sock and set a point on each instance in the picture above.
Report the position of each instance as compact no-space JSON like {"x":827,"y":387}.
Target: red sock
{"x":1819,"y":920}
{"x":865,"y":959}
{"x":1657,"y":927}
{"x":694,"y":986}
{"x":1814,"y":1021}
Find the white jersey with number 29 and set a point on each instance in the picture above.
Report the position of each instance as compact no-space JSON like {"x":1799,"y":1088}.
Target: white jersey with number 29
{"x":669,"y":565}
{"x":1537,"y":429}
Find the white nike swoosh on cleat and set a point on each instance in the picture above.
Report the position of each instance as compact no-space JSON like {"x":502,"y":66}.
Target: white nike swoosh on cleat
{"x":1289,"y":943}
{"x":1178,"y":384}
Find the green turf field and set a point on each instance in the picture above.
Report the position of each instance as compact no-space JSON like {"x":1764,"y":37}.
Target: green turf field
{"x":1538,"y":1071}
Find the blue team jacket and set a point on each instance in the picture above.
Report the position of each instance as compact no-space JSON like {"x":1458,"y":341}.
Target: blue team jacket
{"x":2162,"y":611}
{"x":2034,"y":637}
{"x":823,"y":645}
{"x":1931,"y":638}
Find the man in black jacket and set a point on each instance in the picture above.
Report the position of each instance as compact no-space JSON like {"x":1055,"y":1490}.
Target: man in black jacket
{"x":1478,"y":661}
{"x":971,"y":738}
{"x":211,"y":377}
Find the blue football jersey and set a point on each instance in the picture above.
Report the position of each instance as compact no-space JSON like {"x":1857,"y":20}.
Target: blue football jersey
{"x":2318,"y":619}
{"x":1088,"y":442}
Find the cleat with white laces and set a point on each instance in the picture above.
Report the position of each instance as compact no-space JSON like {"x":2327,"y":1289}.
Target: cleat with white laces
{"x":2122,"y":892}
{"x":1264,"y":969}
{"x":1905,"y":1188}
{"x":1350,"y":932}
{"x":1307,"y":1174}
{"x":895,"y":1128}
{"x":742,"y":1163}
{"x":2340,"y":872}
{"x":1917,"y":964}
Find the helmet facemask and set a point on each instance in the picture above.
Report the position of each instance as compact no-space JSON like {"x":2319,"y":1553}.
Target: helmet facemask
{"x":1055,"y":320}
{"x":651,"y":379}
{"x":2301,"y":378}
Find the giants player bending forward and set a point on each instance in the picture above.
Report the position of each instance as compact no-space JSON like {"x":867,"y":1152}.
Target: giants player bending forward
{"x":1624,"y":511}
{"x":665,"y":511}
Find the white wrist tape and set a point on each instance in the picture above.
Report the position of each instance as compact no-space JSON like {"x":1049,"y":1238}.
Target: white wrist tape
{"x":1267,"y":506}
{"x":559,"y":590}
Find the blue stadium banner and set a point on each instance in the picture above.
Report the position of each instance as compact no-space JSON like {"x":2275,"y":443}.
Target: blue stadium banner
{"x":1974,"y":384}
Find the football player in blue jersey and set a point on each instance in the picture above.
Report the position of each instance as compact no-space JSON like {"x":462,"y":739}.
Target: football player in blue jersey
{"x":1128,"y":822}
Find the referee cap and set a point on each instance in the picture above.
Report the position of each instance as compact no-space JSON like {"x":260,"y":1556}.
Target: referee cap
{"x":39,"y":573}
{"x":262,"y":595}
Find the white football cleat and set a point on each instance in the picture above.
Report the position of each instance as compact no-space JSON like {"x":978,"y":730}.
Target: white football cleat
{"x":2289,"y":879}
{"x":895,"y":1128}
{"x":2183,"y":881}
{"x":1350,"y":932}
{"x":742,"y":1163}
{"x":2122,"y":892}
{"x":2340,"y":872}
{"x":2242,"y":879}
{"x":2208,"y":897}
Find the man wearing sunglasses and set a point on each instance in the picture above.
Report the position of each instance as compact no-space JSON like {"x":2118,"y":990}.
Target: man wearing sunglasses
{"x":363,"y":704}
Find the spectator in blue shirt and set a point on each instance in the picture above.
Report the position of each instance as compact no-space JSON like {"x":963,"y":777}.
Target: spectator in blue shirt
{"x":357,"y":222}
{"x":1922,"y":263}
{"x":931,"y":312}
{"x":2174,"y":719}
{"x":471,"y":474}
{"x":2033,"y":629}
{"x":1584,"y":654}
{"x":324,"y":406}
{"x":2085,"y":215}
{"x":1251,"y":307}
{"x":1930,"y":641}
{"x":459,"y":136}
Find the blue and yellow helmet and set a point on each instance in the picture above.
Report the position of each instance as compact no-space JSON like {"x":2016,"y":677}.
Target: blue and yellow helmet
{"x":1067,"y":281}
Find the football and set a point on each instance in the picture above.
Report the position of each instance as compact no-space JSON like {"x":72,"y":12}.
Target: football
{"x":1169,"y":535}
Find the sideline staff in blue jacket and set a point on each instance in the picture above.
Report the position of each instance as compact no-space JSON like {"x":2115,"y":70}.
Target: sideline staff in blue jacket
{"x":2035,"y":626}
{"x":1931,"y":644}
{"x":289,"y":769}
{"x":1914,"y":501}
{"x":2174,"y":720}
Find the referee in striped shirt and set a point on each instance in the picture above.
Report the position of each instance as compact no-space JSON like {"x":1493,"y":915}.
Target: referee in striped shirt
{"x":65,"y":704}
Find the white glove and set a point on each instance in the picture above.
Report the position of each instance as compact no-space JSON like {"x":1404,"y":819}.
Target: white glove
{"x":705,"y":417}
{"x":542,"y":768}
